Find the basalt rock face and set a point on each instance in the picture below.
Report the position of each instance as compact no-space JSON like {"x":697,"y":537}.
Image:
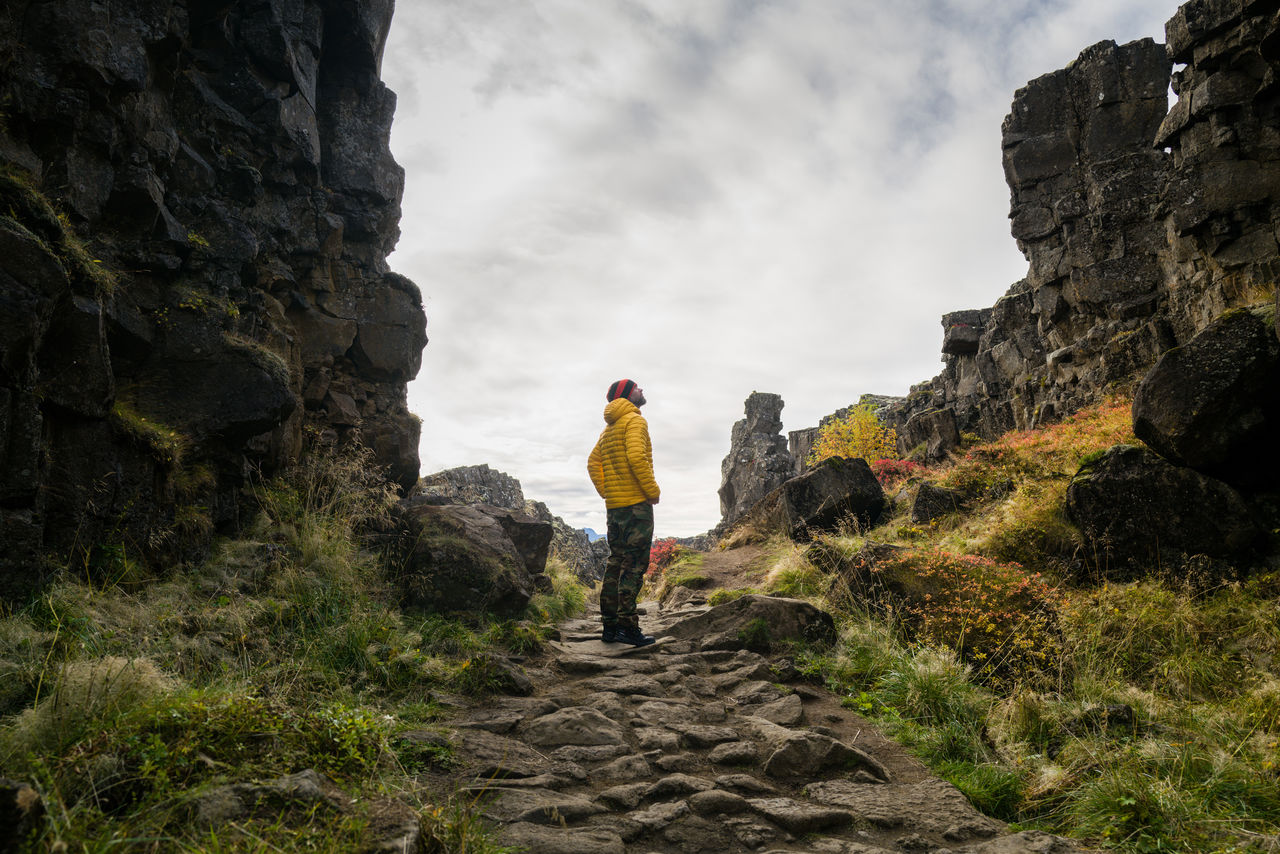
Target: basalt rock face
{"x":1223,"y":198}
{"x":214,"y":280}
{"x":1142,"y":224}
{"x":1086,"y":184}
{"x":758,"y":460}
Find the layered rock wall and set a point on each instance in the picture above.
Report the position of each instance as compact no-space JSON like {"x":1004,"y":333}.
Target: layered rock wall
{"x":1141,"y":224}
{"x":1221,"y":206}
{"x":192,"y":263}
{"x":1086,"y":182}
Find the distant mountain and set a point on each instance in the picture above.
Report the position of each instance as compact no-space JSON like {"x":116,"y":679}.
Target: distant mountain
{"x":592,"y":535}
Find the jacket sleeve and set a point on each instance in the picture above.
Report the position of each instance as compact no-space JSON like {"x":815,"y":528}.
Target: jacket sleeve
{"x":595,"y":468}
{"x":640,"y":457}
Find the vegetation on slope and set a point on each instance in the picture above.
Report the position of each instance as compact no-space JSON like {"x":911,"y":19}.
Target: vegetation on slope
{"x":126,"y":703}
{"x":1141,"y":716}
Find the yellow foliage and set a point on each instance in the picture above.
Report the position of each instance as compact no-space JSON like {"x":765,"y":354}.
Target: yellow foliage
{"x":858,"y":434}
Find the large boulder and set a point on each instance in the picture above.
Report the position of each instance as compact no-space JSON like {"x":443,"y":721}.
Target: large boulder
{"x":1214,"y":403}
{"x":481,"y":484}
{"x":834,"y":490}
{"x":733,"y":624}
{"x":934,"y":502}
{"x":469,"y":557}
{"x":935,"y":433}
{"x":1140,"y":514}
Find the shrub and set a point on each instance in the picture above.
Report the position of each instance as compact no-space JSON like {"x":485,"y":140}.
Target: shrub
{"x":893,"y":473}
{"x":858,"y":434}
{"x":1050,"y":452}
{"x":996,"y":616}
{"x":662,"y":554}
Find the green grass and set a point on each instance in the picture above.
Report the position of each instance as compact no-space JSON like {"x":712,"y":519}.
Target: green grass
{"x":1152,"y":724}
{"x":285,"y":650}
{"x":685,"y":570}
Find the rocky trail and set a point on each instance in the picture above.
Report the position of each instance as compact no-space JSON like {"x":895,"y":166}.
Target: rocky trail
{"x":696,"y":744}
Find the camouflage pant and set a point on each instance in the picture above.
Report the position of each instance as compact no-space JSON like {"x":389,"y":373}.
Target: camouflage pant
{"x":630,"y":536}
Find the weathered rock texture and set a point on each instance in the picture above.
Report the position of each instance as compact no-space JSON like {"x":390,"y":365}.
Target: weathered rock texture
{"x":700,"y":744}
{"x":1141,"y":224}
{"x":1086,"y":182}
{"x":468,"y":557}
{"x":834,"y":491}
{"x":758,"y":459}
{"x":1213,"y":404}
{"x":1140,"y":514}
{"x":216,"y":280}
{"x":483,"y":485}
{"x":1223,"y":196}
{"x":472,"y":485}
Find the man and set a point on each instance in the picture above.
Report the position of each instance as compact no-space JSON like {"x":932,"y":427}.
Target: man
{"x":621,"y":467}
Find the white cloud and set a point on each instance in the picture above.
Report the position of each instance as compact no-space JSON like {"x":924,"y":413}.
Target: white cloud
{"x":713,"y":198}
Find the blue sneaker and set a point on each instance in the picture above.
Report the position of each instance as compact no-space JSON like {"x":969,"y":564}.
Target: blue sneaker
{"x":610,"y":634}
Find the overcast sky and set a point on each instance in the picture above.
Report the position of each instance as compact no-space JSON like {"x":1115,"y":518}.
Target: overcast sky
{"x":710,"y":197}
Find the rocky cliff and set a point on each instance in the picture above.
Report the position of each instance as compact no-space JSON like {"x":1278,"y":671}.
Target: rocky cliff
{"x":758,"y":460}
{"x":1086,"y":182}
{"x":1141,"y":224}
{"x":199,"y":203}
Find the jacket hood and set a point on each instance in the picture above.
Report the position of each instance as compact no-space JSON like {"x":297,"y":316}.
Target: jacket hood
{"x":617,"y":408}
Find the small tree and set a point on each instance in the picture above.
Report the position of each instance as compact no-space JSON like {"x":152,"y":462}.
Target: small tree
{"x":858,"y":433}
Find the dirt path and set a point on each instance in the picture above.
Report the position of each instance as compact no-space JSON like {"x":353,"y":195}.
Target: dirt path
{"x":675,"y":748}
{"x":736,"y":568}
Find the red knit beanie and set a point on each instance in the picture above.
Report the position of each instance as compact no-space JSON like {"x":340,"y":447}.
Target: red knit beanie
{"x":622,"y":388}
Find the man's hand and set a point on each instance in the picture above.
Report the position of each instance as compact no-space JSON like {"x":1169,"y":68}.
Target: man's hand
{"x":654,"y":500}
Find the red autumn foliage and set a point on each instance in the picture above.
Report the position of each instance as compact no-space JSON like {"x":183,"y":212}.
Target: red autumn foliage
{"x":893,"y":473}
{"x":661,"y":555}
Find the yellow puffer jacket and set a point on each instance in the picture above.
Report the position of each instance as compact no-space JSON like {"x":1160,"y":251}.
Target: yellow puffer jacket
{"x":621,"y":464}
